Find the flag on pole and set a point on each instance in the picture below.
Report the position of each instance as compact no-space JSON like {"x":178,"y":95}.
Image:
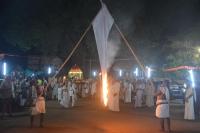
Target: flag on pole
{"x":102,"y":25}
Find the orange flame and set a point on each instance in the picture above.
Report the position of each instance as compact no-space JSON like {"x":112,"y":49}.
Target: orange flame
{"x":105,"y":88}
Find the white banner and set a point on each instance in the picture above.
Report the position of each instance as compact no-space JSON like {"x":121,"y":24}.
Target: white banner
{"x":102,"y":25}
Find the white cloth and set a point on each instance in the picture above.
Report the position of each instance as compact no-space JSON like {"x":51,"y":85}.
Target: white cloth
{"x":59,"y":93}
{"x":65,"y":99}
{"x":39,"y":106}
{"x":162,"y":109}
{"x":93,"y":89}
{"x":71,"y":91}
{"x":55,"y":91}
{"x":113,"y":99}
{"x":72,"y":95}
{"x":128,"y":91}
{"x":150,"y":95}
{"x":85,"y":90}
{"x":102,"y":25}
{"x":189,"y":105}
{"x":139,"y":94}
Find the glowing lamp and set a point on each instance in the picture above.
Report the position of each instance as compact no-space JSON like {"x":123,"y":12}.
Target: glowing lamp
{"x":148,"y":72}
{"x":94,"y":73}
{"x":192,"y":78}
{"x":185,"y":85}
{"x":136,"y":72}
{"x":49,"y":70}
{"x":120,"y":72}
{"x":4,"y":68}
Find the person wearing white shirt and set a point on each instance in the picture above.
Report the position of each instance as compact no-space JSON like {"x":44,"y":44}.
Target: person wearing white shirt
{"x":189,"y":104}
{"x":113,"y":96}
{"x":150,"y":90}
{"x":59,"y":92}
{"x":139,"y":93}
{"x":162,"y":103}
{"x":128,"y":92}
{"x":71,"y":91}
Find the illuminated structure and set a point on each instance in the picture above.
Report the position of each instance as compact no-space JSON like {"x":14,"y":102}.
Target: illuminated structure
{"x":75,"y":72}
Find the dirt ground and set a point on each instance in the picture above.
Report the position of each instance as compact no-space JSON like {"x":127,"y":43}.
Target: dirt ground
{"x":87,"y":117}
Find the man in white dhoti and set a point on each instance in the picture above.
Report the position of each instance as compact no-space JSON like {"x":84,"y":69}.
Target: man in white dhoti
{"x":113,"y":96}
{"x":139,"y":93}
{"x":65,"y":97}
{"x":189,"y":104}
{"x":54,"y":85}
{"x":60,"y":92}
{"x":74,"y":86}
{"x":71,"y":91}
{"x":149,"y":90}
{"x":39,"y":106}
{"x":128,"y":92}
{"x":85,"y":89}
{"x":162,"y":103}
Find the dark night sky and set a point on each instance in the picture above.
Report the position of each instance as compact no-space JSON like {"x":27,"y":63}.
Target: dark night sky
{"x":60,"y":22}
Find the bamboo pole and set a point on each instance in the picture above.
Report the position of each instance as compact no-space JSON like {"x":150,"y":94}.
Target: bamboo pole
{"x":74,"y":49}
{"x":133,"y":53}
{"x":128,"y":45}
{"x":70,"y":55}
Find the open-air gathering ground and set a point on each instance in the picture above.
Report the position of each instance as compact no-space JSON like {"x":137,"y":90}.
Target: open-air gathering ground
{"x":87,"y":117}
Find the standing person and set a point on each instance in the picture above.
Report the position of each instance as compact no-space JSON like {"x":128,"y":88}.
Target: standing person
{"x":128,"y":92}
{"x":39,"y":105}
{"x":65,"y":97}
{"x":197,"y":102}
{"x":139,"y":93}
{"x":6,"y":96}
{"x":189,"y":104}
{"x":123,"y":87}
{"x":196,"y":91}
{"x":85,"y":89}
{"x":162,"y":103}
{"x":113,"y":99}
{"x":59,"y":92}
{"x":33,"y":91}
{"x":23,"y":92}
{"x":55,"y":89}
{"x":93,"y":88}
{"x":71,"y":89}
{"x":150,"y":90}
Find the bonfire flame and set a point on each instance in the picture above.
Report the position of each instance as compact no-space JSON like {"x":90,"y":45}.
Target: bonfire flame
{"x":105,"y":88}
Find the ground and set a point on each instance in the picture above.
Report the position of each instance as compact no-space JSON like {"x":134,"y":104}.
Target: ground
{"x":87,"y":117}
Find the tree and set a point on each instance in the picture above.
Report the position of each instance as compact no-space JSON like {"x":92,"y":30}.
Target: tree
{"x":184,"y":49}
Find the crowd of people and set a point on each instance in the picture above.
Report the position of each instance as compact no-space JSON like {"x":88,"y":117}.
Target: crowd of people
{"x":18,"y":91}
